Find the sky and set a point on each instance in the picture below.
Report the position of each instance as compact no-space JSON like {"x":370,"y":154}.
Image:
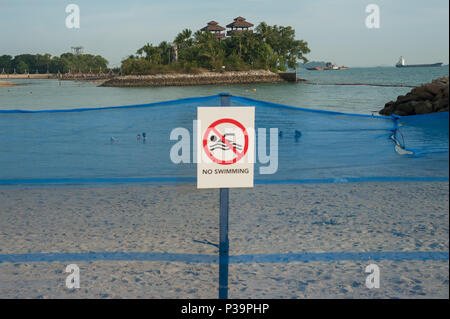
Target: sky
{"x":335,"y":30}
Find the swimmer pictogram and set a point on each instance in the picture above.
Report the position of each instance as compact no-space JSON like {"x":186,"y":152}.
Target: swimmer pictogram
{"x":225,"y":141}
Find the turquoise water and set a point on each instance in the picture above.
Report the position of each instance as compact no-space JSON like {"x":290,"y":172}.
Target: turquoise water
{"x":48,"y":94}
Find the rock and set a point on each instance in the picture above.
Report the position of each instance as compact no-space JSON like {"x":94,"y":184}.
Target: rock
{"x":423,"y":107}
{"x":445,"y":92}
{"x":388,"y":108}
{"x":433,"y":89}
{"x":441,"y":81}
{"x":428,"y":98}
{"x":436,"y":106}
{"x":406,"y":98}
{"x":399,"y":113}
{"x":423,"y":94}
{"x":205,"y":78}
{"x":442,"y":104}
{"x":438,"y":97}
{"x":406,"y":108}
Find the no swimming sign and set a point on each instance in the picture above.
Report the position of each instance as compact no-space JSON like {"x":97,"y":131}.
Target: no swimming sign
{"x":226,"y":146}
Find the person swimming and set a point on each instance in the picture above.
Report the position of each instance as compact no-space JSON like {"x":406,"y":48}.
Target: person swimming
{"x":113,"y":140}
{"x":144,"y":137}
{"x":138,"y":137}
{"x":297,"y":135}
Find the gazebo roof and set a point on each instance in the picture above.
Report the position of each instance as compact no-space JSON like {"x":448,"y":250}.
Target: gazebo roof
{"x":213,"y":26}
{"x":240,"y":22}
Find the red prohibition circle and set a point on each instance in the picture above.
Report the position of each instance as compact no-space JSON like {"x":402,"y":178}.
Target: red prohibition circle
{"x":239,"y":155}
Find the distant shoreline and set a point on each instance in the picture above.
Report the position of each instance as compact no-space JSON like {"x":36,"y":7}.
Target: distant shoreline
{"x":27,"y":76}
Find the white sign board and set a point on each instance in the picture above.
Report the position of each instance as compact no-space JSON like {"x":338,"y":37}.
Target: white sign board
{"x":225,"y":147}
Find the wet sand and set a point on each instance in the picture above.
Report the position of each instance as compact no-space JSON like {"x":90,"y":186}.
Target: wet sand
{"x":27,"y":76}
{"x":269,"y":219}
{"x":4,"y":84}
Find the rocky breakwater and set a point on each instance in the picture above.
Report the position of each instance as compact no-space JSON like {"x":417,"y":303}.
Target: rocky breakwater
{"x":428,"y":98}
{"x":205,"y":78}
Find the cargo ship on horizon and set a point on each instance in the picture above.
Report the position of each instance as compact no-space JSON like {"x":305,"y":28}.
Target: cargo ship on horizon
{"x":402,"y":64}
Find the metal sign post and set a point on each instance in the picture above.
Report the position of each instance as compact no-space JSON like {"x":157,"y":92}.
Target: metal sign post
{"x":224,"y":243}
{"x":226,"y":146}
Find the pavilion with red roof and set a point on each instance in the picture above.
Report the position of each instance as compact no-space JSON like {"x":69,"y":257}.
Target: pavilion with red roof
{"x":215,"y":28}
{"x":239,"y":25}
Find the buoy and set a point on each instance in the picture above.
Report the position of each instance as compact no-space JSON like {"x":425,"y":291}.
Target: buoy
{"x":254,"y":90}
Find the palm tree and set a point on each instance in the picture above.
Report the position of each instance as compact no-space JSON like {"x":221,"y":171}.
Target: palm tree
{"x":263,"y":31}
{"x":165,"y":51}
{"x":152,"y":53}
{"x":184,"y":39}
{"x":211,"y":48}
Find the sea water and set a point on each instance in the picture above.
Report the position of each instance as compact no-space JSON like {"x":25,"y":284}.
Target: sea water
{"x":101,"y":145}
{"x":77,"y":145}
{"x":322,"y":94}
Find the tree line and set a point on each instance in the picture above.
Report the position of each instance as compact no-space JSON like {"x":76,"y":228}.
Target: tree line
{"x":268,"y":47}
{"x":43,"y":63}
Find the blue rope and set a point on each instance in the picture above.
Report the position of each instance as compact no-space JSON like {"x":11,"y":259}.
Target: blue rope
{"x":234,"y":259}
{"x":192,"y":180}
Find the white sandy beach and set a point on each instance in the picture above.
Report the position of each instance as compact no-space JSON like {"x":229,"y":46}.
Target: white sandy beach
{"x":269,"y":219}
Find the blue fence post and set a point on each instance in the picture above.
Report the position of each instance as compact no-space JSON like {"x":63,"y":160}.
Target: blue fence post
{"x":224,"y":243}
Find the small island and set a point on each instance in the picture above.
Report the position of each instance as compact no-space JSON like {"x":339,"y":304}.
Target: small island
{"x":235,"y":54}
{"x":211,"y":56}
{"x":202,"y":78}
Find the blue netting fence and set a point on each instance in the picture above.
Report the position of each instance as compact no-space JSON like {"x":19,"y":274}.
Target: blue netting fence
{"x":349,"y":189}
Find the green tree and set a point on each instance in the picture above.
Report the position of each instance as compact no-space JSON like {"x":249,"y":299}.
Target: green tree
{"x":24,"y":62}
{"x":82,"y":63}
{"x":211,"y":49}
{"x":22,"y":67}
{"x":152,"y":54}
{"x":284,"y":45}
{"x":269,"y":47}
{"x":165,"y":52}
{"x":6,"y":63}
{"x":58,"y":64}
{"x":184,"y":39}
{"x":42,"y":62}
